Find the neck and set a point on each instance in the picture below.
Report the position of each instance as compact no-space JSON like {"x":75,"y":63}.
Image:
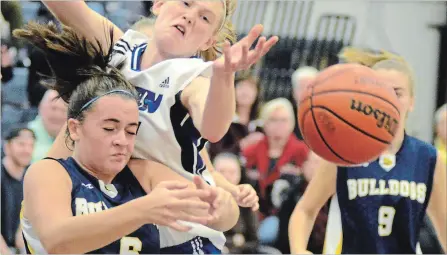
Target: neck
{"x":397,"y":142}
{"x":153,"y":56}
{"x":276,"y":147}
{"x":13,"y":169}
{"x":100,"y":175}
{"x":243,"y":113}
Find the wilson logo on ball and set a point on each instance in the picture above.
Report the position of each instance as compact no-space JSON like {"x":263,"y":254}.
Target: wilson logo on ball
{"x":384,"y":120}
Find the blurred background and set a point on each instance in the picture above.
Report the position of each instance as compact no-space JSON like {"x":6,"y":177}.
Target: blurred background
{"x":311,"y":35}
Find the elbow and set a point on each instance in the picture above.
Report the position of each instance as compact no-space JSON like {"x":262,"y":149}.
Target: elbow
{"x":228,"y":222}
{"x":54,"y":244}
{"x":213,"y":136}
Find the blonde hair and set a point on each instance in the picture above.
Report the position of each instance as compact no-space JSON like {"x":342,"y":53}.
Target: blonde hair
{"x":143,"y":23}
{"x":379,"y":60}
{"x":303,"y":72}
{"x":226,"y":32}
{"x":275,"y":104}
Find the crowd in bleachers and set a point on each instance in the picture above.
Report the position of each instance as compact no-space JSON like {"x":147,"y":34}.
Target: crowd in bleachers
{"x":262,"y":148}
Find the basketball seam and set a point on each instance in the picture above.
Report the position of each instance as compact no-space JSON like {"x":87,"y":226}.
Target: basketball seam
{"x":351,"y":125}
{"x":353,"y":91}
{"x":321,"y":135}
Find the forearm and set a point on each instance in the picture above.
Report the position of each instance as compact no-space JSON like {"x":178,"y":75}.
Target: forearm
{"x":223,"y":183}
{"x":300,"y":228}
{"x":441,"y":231}
{"x":82,"y":234}
{"x":228,"y":218}
{"x":219,"y":108}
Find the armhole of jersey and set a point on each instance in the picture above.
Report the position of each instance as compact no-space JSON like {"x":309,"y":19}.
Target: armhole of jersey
{"x":205,"y":70}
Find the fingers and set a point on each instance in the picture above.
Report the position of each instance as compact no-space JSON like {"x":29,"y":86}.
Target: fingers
{"x":172,"y":185}
{"x":227,"y":54}
{"x":254,"y":33}
{"x":179,"y":227}
{"x":199,"y":182}
{"x":255,"y":207}
{"x":191,"y":193}
{"x":269,"y":44}
{"x":250,"y":199}
{"x":244,"y":191}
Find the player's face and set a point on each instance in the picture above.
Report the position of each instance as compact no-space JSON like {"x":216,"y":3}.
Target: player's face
{"x":401,"y":86}
{"x":246,"y":93}
{"x":279,"y":125}
{"x":20,"y":149}
{"x":184,"y":28}
{"x":106,"y":138}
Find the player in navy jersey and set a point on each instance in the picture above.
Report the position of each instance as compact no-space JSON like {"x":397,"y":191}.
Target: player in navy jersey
{"x":377,"y":207}
{"x":92,"y":202}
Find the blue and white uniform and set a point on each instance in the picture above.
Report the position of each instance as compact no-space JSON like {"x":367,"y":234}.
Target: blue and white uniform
{"x":166,"y":133}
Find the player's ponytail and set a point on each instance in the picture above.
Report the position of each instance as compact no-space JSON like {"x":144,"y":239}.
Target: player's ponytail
{"x":73,"y":60}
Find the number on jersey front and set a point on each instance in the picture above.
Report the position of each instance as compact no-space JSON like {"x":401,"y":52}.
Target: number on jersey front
{"x":130,"y":245}
{"x":386,"y":218}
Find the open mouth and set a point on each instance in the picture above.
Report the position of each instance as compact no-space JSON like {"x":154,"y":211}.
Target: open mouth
{"x":181,"y":29}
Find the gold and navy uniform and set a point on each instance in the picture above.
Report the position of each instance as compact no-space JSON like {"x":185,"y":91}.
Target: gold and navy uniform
{"x":90,"y":195}
{"x":382,"y":204}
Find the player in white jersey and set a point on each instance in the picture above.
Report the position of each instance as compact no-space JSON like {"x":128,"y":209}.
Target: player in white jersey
{"x":183,"y":101}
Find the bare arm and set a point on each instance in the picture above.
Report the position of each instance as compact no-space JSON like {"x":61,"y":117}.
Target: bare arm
{"x":3,"y":247}
{"x":88,"y":23}
{"x":437,"y":206}
{"x":211,"y":104}
{"x":320,"y":189}
{"x":47,"y":201}
{"x":47,"y":198}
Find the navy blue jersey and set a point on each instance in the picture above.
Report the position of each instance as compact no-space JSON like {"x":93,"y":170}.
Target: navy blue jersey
{"x":198,"y":245}
{"x":383,"y":203}
{"x":90,"y":195}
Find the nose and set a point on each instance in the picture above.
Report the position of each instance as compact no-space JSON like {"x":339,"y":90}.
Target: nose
{"x":121,"y":139}
{"x":188,"y":17}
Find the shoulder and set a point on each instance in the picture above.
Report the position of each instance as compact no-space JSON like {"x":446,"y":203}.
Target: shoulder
{"x":423,"y":149}
{"x":46,"y":172}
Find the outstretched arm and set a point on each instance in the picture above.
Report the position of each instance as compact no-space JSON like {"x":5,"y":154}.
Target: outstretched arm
{"x":211,"y":102}
{"x":88,"y":23}
{"x":437,"y":207}
{"x":320,"y":189}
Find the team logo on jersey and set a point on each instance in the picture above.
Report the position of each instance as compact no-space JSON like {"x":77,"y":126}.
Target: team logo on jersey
{"x":387,"y":161}
{"x":148,"y":100}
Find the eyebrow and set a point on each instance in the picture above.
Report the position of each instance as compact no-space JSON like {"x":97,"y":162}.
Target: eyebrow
{"x":117,"y":121}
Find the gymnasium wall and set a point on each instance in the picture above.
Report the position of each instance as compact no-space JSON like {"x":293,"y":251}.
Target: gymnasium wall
{"x":401,"y":27}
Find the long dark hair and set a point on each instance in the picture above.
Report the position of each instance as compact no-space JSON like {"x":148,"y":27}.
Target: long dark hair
{"x":80,"y":68}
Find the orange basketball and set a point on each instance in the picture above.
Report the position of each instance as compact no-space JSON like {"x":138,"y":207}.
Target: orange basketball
{"x":348,"y":115}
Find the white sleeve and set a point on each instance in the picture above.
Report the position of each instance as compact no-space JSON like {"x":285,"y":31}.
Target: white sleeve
{"x":124,"y":47}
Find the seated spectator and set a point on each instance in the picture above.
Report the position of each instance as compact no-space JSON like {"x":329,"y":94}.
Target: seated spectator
{"x":52,"y":116}
{"x":245,"y":129}
{"x":302,"y":77}
{"x":243,"y":235}
{"x":279,"y":152}
{"x":18,"y":149}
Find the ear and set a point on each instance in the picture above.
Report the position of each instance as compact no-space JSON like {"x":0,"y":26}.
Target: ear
{"x":6,"y":148}
{"x":208,"y":44}
{"x":74,"y":129}
{"x":156,"y":6}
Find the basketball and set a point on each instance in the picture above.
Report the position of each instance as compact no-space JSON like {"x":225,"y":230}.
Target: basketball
{"x":348,"y":115}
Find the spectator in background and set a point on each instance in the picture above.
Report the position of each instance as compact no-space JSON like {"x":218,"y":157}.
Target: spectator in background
{"x":12,"y":13}
{"x":52,"y":116}
{"x":245,"y":129}
{"x":18,"y":149}
{"x":242,"y":237}
{"x":441,"y":131}
{"x":278,"y":153}
{"x":301,"y":78}
{"x":6,"y":63}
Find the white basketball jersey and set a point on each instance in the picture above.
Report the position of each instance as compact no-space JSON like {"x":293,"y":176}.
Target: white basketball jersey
{"x":166,"y":133}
